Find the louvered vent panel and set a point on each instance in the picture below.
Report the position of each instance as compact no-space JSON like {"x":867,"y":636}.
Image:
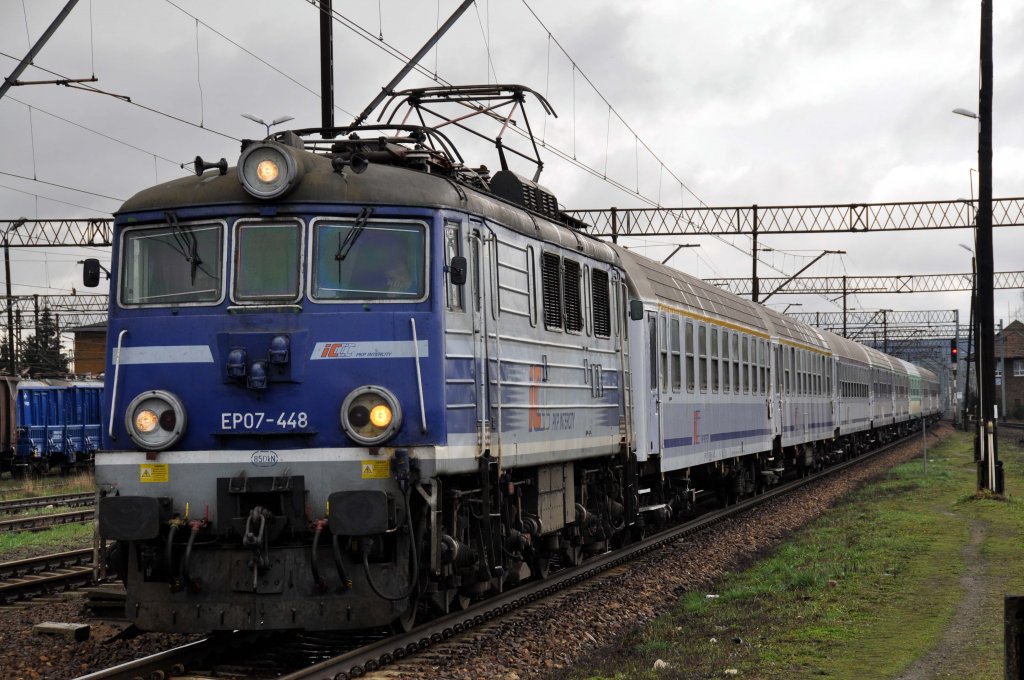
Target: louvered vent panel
{"x":602,"y":312}
{"x":551,"y":282}
{"x":573,"y":314}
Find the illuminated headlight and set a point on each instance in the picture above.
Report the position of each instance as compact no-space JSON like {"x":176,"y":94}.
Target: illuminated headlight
{"x":268,"y":170}
{"x":155,"y":420}
{"x":371,"y":415}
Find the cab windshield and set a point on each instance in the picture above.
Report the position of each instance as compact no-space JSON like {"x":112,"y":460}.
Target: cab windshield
{"x":368,"y":260}
{"x":173,"y":264}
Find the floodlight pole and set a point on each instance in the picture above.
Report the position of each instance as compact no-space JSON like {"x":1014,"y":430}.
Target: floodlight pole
{"x":11,"y":363}
{"x":326,"y":66}
{"x":986,"y":304}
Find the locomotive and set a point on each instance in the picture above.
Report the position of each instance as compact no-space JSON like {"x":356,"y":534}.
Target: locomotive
{"x":353,"y":378}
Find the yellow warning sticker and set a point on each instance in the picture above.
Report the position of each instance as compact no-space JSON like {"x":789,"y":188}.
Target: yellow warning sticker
{"x":154,"y":472}
{"x":376,"y":469}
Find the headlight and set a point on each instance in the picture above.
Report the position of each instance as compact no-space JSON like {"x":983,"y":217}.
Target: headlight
{"x":268,"y":170}
{"x":155,"y":420}
{"x":371,"y":415}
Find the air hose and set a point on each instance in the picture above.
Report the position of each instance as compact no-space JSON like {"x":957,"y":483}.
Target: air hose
{"x":413,"y":577}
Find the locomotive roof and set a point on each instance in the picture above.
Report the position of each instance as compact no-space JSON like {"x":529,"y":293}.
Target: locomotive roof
{"x":379,"y":185}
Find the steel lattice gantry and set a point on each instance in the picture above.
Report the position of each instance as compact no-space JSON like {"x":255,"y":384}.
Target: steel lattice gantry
{"x":795,"y":219}
{"x":69,"y":310}
{"x":59,"y":233}
{"x":614,"y":222}
{"x":886,"y":324}
{"x":839,"y":285}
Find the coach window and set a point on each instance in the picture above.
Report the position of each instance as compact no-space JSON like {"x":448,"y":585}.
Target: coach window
{"x":267,"y":261}
{"x":158,"y":270}
{"x":736,"y":362}
{"x":805,"y":367}
{"x":702,"y":347}
{"x":551,"y":290}
{"x":746,"y":371}
{"x":790,"y":359}
{"x":726,"y":373}
{"x":602,"y":307}
{"x":762,"y":366}
{"x":802,"y":362}
{"x":715,"y":367}
{"x":663,"y":346}
{"x":821,"y":374}
{"x":677,"y":378}
{"x":690,"y":361}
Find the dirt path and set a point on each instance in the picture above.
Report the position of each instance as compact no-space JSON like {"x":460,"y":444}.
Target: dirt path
{"x":962,"y":631}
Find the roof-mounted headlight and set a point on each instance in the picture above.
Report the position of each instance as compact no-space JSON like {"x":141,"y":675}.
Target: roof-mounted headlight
{"x":268,"y":170}
{"x":371,"y":415}
{"x":155,"y":420}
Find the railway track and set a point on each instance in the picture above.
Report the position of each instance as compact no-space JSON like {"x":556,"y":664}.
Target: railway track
{"x":40,"y":522}
{"x":64,"y":499}
{"x":376,"y":654}
{"x":27,"y":578}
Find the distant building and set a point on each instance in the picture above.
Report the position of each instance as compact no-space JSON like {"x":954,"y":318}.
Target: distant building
{"x":1010,"y":370}
{"x":90,"y":345}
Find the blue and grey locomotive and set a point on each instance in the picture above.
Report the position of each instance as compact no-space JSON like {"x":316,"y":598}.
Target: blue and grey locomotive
{"x":353,"y":378}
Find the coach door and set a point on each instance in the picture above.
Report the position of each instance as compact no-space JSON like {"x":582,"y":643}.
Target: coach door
{"x":776,"y":405}
{"x":653,"y":395}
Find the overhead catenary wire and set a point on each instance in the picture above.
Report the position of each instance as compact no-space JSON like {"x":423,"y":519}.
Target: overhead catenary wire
{"x":61,"y":186}
{"x":252,"y":54}
{"x":54,"y":200}
{"x":144,"y":107}
{"x":199,"y":80}
{"x":171,"y":161}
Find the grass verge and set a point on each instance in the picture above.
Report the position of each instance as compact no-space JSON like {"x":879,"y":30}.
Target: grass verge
{"x":16,"y":545}
{"x":862,"y":592}
{"x":12,"y":488}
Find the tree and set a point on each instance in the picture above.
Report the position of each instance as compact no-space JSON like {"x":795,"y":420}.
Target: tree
{"x":41,"y":354}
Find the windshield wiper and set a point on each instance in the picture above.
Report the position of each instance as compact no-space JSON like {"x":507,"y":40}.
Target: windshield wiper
{"x":345,"y":246}
{"x":187,"y":242}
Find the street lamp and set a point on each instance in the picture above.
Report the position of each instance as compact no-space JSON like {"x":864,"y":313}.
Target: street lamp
{"x":990,"y":474}
{"x":11,"y":226}
{"x":276,"y":121}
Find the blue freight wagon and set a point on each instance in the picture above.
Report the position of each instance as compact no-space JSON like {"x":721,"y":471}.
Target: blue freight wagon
{"x":58,"y":425}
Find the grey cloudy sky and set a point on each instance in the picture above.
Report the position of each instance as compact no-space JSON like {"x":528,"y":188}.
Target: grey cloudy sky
{"x":785,"y":102}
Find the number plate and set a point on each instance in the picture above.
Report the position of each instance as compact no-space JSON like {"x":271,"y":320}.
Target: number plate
{"x":261,"y":421}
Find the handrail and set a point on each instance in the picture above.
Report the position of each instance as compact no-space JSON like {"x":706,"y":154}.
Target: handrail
{"x":419,"y":375}
{"x":117,"y":372}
